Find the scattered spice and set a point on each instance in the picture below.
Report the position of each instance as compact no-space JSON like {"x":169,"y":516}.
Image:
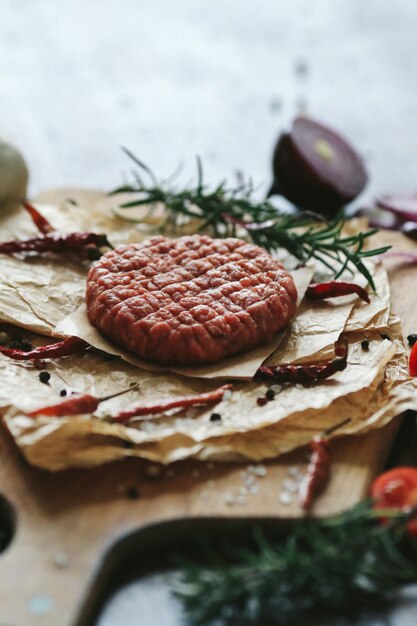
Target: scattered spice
{"x":63,"y":392}
{"x":44,"y":377}
{"x":365,"y":345}
{"x":59,"y":243}
{"x":304,"y":374}
{"x":385,"y":336}
{"x":21,"y":344}
{"x":75,"y":405}
{"x":262,"y":401}
{"x":335,"y":289}
{"x":412,"y":338}
{"x":215,"y":417}
{"x":270,"y":394}
{"x":38,"y":219}
{"x":319,"y":467}
{"x":71,"y":345}
{"x":133,"y":493}
{"x":179,"y":403}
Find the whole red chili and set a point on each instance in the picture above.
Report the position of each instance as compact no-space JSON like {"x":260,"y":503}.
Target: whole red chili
{"x":161,"y":407}
{"x":334,"y":289}
{"x":71,"y":345}
{"x":76,"y":405}
{"x":318,"y":471}
{"x":319,"y":467}
{"x":309,"y":373}
{"x":59,"y":243}
{"x":38,"y":219}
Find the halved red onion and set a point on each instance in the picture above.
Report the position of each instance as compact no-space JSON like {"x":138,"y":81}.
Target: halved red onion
{"x":315,"y":168}
{"x":402,"y":205}
{"x":411,"y":257}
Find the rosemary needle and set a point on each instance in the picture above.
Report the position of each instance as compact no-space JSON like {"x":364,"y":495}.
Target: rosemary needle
{"x":222,"y":210}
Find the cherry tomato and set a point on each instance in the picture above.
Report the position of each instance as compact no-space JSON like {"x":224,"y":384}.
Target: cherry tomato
{"x":397,"y":489}
{"x":412,"y":363}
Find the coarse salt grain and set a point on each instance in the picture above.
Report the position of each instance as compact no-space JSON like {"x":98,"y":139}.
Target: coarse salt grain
{"x":227,"y":394}
{"x":250,"y":480}
{"x":290,"y":485}
{"x":295,"y":472}
{"x":285,"y":498}
{"x":228,"y":498}
{"x":260,"y":470}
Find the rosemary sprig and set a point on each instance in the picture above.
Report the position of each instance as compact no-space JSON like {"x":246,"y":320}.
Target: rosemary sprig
{"x":334,"y":564}
{"x":222,"y":210}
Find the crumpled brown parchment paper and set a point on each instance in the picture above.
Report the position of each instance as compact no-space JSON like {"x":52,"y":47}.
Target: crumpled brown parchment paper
{"x":371,"y":390}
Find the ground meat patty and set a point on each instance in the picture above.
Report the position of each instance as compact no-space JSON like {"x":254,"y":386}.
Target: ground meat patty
{"x":190,"y":300}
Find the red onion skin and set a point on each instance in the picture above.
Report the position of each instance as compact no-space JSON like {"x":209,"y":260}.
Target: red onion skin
{"x":403,"y":206}
{"x":310,"y":181}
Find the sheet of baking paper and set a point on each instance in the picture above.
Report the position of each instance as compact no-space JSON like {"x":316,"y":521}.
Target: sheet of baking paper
{"x":245,"y":430}
{"x":323,"y":321}
{"x":37,"y":292}
{"x":243,"y":366}
{"x":375,"y":315}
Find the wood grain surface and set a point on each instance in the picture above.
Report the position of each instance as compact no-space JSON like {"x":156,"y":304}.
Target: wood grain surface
{"x":69,"y":524}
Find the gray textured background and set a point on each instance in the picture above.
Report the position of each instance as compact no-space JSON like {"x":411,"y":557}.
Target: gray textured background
{"x":220,"y":79}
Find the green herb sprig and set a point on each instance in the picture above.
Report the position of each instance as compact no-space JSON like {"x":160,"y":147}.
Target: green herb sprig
{"x":333,"y":564}
{"x":222,"y":210}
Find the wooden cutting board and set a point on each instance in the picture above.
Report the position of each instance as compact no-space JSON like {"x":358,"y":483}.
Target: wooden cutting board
{"x":69,"y":526}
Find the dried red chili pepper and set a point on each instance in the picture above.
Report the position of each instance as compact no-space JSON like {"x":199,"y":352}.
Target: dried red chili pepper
{"x":161,"y":407}
{"x":309,"y":373}
{"x":71,"y":345}
{"x":60,"y":243}
{"x":334,"y":289}
{"x":38,"y":219}
{"x":319,"y":467}
{"x":75,"y":405}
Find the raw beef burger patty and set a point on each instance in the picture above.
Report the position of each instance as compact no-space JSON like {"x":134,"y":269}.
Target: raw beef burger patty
{"x":190,"y":300}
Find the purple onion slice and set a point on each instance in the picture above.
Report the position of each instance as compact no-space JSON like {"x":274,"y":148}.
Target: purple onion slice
{"x":315,"y":168}
{"x":403,"y":206}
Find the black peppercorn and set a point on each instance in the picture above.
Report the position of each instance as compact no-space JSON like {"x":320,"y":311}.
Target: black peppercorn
{"x":270,"y":395}
{"x":23,"y":345}
{"x":133,"y":493}
{"x":385,"y":336}
{"x":44,"y":377}
{"x":215,"y":417}
{"x":412,"y":339}
{"x":365,"y":345}
{"x":63,"y":392}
